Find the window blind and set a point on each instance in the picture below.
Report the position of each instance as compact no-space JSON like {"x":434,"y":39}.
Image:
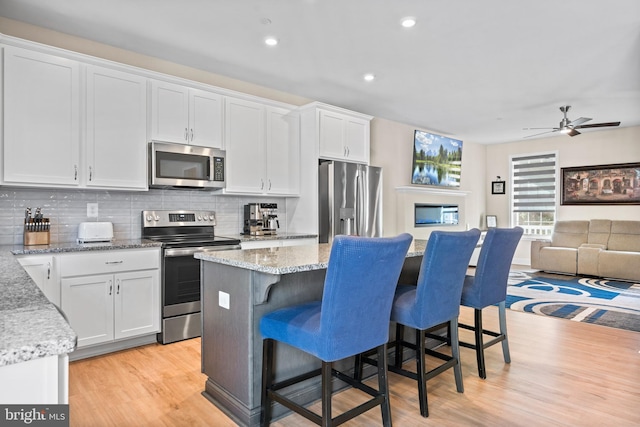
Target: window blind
{"x":534,"y":183}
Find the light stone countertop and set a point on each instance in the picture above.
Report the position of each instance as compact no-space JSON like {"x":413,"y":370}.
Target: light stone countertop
{"x":56,"y":248}
{"x":279,"y":236}
{"x":31,"y":326}
{"x":288,"y":259}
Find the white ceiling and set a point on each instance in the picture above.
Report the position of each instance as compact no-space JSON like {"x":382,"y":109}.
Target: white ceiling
{"x":474,"y":70}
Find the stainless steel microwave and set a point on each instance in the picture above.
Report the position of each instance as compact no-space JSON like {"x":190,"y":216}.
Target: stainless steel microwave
{"x":185,"y":166}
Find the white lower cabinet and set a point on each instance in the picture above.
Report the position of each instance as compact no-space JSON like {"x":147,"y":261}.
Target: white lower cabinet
{"x":113,"y":304}
{"x":41,"y":270}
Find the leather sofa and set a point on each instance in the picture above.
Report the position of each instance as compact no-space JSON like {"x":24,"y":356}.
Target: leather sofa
{"x":599,"y":247}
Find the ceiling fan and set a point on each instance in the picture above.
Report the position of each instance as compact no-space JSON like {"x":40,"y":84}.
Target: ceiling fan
{"x":570,"y":127}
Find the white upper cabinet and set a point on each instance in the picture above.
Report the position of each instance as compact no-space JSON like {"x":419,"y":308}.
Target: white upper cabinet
{"x":282,"y":151}
{"x":116,"y":129}
{"x":47,"y":127}
{"x":245,"y":146}
{"x":185,"y":115}
{"x":41,"y":119}
{"x":262,"y":145}
{"x":343,"y":135}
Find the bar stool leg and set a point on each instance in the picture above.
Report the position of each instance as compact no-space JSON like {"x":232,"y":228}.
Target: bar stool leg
{"x":326,"y":394}
{"x":383,"y":385}
{"x":455,"y":352}
{"x":479,"y":343}
{"x":398,"y":350}
{"x":267,"y":381}
{"x":502,"y":316}
{"x":421,"y":373}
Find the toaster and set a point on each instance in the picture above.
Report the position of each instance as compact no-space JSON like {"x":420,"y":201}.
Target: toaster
{"x":95,"y":232}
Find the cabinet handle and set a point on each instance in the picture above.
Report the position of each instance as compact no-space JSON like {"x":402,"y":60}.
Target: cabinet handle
{"x":186,"y":134}
{"x":118,"y":291}
{"x":348,"y":151}
{"x":262,"y":184}
{"x":113,"y":262}
{"x":191,"y":134}
{"x":75,"y":172}
{"x":90,"y":173}
{"x":110,"y":287}
{"x":48,"y":270}
{"x":269,"y":185}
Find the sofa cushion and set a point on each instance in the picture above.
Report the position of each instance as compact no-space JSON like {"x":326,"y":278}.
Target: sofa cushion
{"x":570,"y":234}
{"x":625,"y":236}
{"x":599,"y":230}
{"x":619,"y":265}
{"x":562,"y":260}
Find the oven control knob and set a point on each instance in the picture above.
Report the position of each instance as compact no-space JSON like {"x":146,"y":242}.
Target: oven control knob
{"x":157,"y":218}
{"x":149,"y":218}
{"x":199,"y":218}
{"x":205,"y":218}
{"x":211,"y":217}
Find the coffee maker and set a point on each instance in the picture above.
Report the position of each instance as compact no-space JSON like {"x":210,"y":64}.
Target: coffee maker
{"x":261,"y":219}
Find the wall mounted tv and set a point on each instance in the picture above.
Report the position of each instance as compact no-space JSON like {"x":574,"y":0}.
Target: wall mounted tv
{"x":428,"y":215}
{"x":437,"y":160}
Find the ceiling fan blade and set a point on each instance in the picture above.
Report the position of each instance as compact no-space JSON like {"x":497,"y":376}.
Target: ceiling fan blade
{"x":551,"y":131}
{"x":573,"y":132}
{"x":579,"y":121}
{"x":539,"y":128}
{"x":598,"y":125}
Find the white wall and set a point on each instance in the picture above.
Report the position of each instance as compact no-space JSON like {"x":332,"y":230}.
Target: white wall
{"x":392,"y":149}
{"x":595,"y":147}
{"x":618,"y":145}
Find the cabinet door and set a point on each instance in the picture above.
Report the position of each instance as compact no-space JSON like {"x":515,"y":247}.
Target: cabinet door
{"x":41,"y":118}
{"x":331,"y":135}
{"x":169,"y":112}
{"x":282,"y":152}
{"x":40,"y":269}
{"x":137,"y":303}
{"x":116,"y":129}
{"x":357,"y":140}
{"x":205,"y":118}
{"x":87,"y":302}
{"x":244,"y":143}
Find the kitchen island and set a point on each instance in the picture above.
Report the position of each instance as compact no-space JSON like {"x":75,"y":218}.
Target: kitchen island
{"x":238,"y":288}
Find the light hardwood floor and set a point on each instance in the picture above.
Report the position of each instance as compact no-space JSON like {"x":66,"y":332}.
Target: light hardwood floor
{"x":563,"y":373}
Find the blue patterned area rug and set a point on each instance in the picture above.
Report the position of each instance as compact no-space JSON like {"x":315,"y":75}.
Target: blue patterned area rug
{"x":602,"y":302}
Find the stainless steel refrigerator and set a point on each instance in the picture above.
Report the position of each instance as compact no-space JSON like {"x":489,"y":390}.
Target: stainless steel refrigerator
{"x":350,"y":200}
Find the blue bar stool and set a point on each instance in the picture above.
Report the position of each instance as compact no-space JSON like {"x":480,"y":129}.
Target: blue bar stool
{"x":433,"y":303}
{"x":489,"y":287}
{"x":353,"y":317}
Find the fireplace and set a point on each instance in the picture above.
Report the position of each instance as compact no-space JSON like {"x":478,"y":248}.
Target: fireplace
{"x":430,"y":215}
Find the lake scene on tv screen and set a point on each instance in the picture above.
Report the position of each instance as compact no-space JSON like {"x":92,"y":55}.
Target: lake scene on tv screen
{"x":437,"y":160}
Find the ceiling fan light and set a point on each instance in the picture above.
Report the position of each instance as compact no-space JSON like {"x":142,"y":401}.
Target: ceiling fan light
{"x":565,"y":130}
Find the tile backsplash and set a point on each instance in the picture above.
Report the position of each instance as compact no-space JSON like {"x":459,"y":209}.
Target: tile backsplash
{"x":67,"y":208}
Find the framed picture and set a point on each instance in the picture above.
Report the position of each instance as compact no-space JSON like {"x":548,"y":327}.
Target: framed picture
{"x":617,"y":184}
{"x":497,"y":187}
{"x":492,"y":221}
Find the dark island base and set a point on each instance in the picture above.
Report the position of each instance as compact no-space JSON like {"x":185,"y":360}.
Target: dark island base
{"x":232,"y":345}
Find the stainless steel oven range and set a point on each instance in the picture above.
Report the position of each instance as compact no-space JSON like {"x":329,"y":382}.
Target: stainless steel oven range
{"x":182,"y":233}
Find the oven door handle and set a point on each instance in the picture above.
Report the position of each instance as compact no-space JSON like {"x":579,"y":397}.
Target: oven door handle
{"x":176,"y":252}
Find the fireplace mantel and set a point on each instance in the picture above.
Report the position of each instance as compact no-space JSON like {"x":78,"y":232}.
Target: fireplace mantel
{"x":432,"y":190}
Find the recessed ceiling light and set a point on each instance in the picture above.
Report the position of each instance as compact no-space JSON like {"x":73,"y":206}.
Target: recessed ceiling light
{"x":271,"y":41}
{"x":369,"y":77}
{"x":408,"y":22}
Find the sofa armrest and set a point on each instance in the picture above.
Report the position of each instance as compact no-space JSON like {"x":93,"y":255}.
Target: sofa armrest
{"x":588,"y":255}
{"x":536,"y":245}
